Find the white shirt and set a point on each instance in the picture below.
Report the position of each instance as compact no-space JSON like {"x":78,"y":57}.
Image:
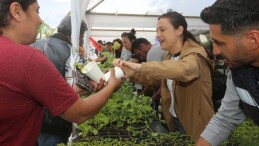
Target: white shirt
{"x":169,"y":86}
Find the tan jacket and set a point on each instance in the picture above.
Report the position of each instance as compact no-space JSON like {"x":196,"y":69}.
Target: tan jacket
{"x":192,"y":87}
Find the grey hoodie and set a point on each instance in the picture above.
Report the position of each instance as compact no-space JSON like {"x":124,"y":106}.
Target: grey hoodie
{"x":228,"y":117}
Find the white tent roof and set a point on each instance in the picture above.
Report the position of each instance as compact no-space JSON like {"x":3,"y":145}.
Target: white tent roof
{"x":109,"y":18}
{"x":157,"y":7}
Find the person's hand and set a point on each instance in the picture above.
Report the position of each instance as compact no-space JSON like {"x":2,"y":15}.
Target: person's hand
{"x":90,"y":59}
{"x":129,"y":68}
{"x":113,"y":82}
{"x":98,"y":87}
{"x":156,"y":96}
{"x":82,"y":82}
{"x":202,"y":142}
{"x":77,"y":89}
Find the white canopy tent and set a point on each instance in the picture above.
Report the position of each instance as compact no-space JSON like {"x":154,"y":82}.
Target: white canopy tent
{"x":107,"y":19}
{"x":110,"y":26}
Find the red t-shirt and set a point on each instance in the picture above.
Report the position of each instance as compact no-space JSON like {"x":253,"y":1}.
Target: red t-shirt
{"x":28,"y":82}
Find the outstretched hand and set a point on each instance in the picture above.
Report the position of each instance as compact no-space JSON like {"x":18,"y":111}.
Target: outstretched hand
{"x":129,"y":68}
{"x":98,"y":87}
{"x":202,"y":142}
{"x":113,"y":82}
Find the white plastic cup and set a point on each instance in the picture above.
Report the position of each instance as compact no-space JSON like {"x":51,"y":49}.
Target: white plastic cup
{"x":92,"y":70}
{"x":118,"y":74}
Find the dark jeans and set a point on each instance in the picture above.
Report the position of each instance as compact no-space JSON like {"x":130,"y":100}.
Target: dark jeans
{"x":179,"y":126}
{"x":46,"y":139}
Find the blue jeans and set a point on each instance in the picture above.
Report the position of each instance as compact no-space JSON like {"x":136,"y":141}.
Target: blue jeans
{"x":46,"y":139}
{"x":179,"y":126}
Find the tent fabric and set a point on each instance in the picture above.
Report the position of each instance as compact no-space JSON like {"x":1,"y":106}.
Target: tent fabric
{"x":52,"y":11}
{"x":78,"y":9}
{"x":109,"y":18}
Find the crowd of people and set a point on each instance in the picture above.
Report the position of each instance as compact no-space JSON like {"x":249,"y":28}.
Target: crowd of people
{"x":39,"y":103}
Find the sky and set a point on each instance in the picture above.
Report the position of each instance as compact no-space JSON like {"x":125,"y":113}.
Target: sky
{"x":52,"y":11}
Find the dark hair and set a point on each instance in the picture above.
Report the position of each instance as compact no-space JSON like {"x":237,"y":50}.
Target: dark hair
{"x":109,"y":43}
{"x":233,"y":16}
{"x":123,"y":34}
{"x":100,"y":41}
{"x":65,"y":26}
{"x":5,"y":9}
{"x":177,"y":19}
{"x":136,"y":44}
{"x":130,"y":35}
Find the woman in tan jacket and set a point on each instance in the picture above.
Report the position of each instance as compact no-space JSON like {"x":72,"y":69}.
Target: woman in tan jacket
{"x":184,"y":76}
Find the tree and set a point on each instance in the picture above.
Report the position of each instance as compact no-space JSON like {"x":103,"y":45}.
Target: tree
{"x":45,"y":31}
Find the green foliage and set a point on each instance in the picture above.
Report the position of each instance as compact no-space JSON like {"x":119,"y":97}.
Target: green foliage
{"x":126,"y":120}
{"x":133,"y":114}
{"x":171,"y":139}
{"x":105,"y":142}
{"x":109,"y":56}
{"x":105,"y":66}
{"x":247,"y":134}
{"x":155,"y":139}
{"x":123,"y":109}
{"x":79,"y":66}
{"x":45,"y":31}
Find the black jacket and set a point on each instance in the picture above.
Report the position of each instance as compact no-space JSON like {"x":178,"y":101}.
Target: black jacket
{"x":247,"y":79}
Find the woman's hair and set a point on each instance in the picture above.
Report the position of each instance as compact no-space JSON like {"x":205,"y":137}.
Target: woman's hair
{"x":136,"y":45}
{"x":177,"y":19}
{"x":130,"y":35}
{"x":233,"y":16}
{"x":5,"y":8}
{"x":65,"y":26}
{"x":108,"y":43}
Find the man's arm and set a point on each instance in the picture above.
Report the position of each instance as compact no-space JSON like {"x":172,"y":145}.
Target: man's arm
{"x":228,"y":117}
{"x":101,"y":59}
{"x":202,"y":142}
